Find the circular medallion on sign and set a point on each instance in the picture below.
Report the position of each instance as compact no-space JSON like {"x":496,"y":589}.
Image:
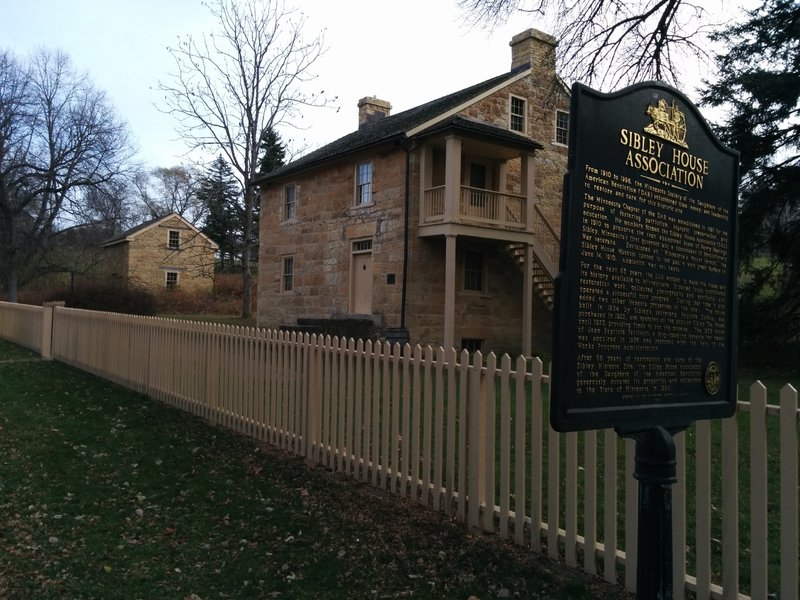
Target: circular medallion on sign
{"x":713,"y":379}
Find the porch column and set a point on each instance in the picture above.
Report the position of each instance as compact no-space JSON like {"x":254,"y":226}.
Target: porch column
{"x":452,"y":179}
{"x":527,"y":300}
{"x":528,"y":188}
{"x":449,"y":292}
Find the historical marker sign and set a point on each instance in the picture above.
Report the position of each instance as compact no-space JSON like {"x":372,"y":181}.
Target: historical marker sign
{"x":646,"y":296}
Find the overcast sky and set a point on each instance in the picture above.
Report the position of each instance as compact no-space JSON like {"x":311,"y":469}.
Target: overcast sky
{"x":405,"y":52}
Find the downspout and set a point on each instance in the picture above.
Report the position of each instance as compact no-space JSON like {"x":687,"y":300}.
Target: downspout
{"x":407,"y":146}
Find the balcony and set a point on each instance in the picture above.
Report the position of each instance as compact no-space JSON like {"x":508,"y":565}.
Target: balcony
{"x":476,"y":207}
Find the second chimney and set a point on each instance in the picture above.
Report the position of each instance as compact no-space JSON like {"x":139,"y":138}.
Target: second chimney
{"x":534,"y":47}
{"x":371,"y":109}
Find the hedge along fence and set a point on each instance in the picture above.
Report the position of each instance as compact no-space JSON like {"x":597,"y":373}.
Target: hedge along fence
{"x":468,"y":435}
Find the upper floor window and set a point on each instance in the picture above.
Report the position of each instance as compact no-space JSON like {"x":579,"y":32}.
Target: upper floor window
{"x":174,"y":239}
{"x":562,"y":127}
{"x":290,"y":202}
{"x":474,"y":279}
{"x":287,"y":275}
{"x":516,"y":113}
{"x":364,"y":183}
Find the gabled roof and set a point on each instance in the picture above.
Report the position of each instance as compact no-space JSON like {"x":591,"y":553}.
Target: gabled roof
{"x":130,"y":234}
{"x":404,"y":124}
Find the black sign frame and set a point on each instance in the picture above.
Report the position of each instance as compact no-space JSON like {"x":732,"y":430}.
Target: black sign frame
{"x":671,"y":358}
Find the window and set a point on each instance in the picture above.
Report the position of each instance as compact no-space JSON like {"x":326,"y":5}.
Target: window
{"x":364,"y":183}
{"x":362,"y":246}
{"x":173,"y":239}
{"x":517,"y":114}
{"x":562,"y":127}
{"x":287,"y":277}
{"x":471,"y":344}
{"x":473,"y":271}
{"x":172,"y":278}
{"x":290,"y":203}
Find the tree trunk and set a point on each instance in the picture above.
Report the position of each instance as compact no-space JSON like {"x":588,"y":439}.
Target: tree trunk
{"x":247,"y":276}
{"x":8,"y":255}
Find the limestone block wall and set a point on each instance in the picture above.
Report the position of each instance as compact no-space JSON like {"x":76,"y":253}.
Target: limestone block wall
{"x":320,"y":240}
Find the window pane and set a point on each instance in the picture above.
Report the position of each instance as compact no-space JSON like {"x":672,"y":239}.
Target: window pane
{"x":517,"y":111}
{"x":562,"y":127}
{"x":364,"y":184}
{"x":290,"y":204}
{"x":473,"y":271}
{"x":288,"y":273}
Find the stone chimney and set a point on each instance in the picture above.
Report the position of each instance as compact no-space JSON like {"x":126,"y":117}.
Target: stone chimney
{"x":535,"y":48}
{"x":371,"y":109}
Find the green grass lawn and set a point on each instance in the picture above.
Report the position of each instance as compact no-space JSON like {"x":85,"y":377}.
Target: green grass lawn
{"x":105,"y":493}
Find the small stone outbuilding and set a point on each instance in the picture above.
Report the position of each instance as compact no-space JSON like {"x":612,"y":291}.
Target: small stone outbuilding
{"x":168,"y":252}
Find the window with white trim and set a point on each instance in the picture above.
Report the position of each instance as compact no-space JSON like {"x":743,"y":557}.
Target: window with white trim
{"x":562,"y":127}
{"x":290,"y":202}
{"x":173,"y":239}
{"x":287,"y":274}
{"x":171,"y":279}
{"x":364,"y":183}
{"x":516,"y":114}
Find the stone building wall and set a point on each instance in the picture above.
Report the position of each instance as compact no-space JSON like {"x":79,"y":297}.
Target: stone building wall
{"x":321,"y":238}
{"x":149,"y":258}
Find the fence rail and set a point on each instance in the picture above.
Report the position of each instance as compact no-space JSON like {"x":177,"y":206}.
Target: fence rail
{"x":469,"y":436}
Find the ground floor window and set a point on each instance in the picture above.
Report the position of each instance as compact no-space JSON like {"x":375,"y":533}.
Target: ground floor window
{"x":171,"y":279}
{"x":474,"y":271}
{"x":287,"y":277}
{"x":471,"y":344}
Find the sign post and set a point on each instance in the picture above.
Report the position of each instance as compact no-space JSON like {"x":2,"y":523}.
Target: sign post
{"x":645,"y":310}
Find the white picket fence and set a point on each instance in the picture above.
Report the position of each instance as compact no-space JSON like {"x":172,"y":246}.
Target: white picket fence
{"x":469,"y":436}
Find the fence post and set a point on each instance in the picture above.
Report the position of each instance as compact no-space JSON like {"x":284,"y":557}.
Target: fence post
{"x":48,"y":323}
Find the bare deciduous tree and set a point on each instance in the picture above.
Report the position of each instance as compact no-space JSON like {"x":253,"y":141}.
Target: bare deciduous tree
{"x":246,"y":77}
{"x":59,"y":137}
{"x":608,"y":43}
{"x":166,"y":190}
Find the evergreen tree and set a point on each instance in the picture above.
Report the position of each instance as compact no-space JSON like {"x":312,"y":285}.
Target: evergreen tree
{"x":272,"y":150}
{"x":220,"y":193}
{"x":759,"y":84}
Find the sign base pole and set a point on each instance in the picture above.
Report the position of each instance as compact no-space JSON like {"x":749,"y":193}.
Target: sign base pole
{"x":655,"y":469}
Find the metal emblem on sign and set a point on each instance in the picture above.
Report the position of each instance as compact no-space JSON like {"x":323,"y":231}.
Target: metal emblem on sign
{"x":668,"y":122}
{"x":713,"y":379}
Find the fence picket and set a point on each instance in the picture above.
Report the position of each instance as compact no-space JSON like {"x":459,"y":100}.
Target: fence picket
{"x":758,"y":490}
{"x":703,"y":508}
{"x":590,"y":502}
{"x":679,"y":518}
{"x":505,"y":444}
{"x":571,"y":500}
{"x":536,"y":454}
{"x":730,"y":508}
{"x":520,"y":406}
{"x":789,"y":495}
{"x":610,"y":478}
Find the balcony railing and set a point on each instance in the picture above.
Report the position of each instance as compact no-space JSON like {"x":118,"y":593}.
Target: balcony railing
{"x":478,"y":206}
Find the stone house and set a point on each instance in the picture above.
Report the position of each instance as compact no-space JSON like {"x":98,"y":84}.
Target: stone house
{"x":439,"y":224}
{"x":168,"y":252}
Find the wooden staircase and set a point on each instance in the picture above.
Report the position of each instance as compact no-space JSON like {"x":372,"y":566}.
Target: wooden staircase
{"x":546,"y":248}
